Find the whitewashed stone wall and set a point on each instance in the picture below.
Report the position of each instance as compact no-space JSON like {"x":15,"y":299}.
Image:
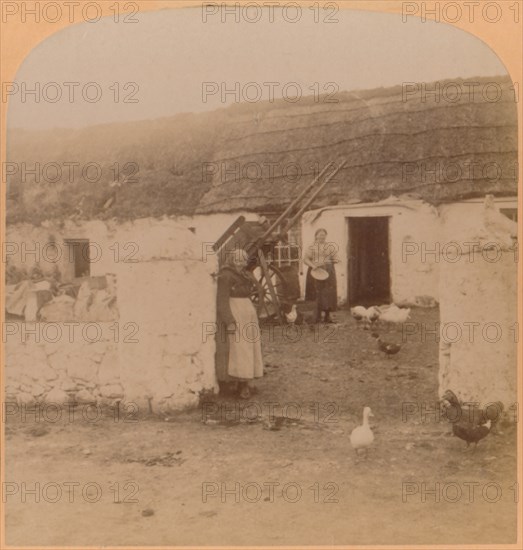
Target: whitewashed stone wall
{"x":61,"y":363}
{"x":170,"y":293}
{"x":113,"y":244}
{"x":166,"y":296}
{"x":478,"y":306}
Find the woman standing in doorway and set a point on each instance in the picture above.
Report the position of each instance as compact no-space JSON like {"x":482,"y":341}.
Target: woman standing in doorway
{"x":324,"y":255}
{"x":238,"y":343}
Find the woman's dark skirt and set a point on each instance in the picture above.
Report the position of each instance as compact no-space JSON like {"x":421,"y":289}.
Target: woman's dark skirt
{"x":325,"y":292}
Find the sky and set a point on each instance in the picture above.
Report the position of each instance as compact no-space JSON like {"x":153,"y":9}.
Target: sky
{"x":159,"y":66}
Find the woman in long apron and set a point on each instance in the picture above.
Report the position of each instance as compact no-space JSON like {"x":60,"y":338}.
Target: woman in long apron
{"x":238,"y":350}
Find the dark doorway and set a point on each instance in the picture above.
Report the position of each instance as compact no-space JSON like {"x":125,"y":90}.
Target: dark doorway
{"x":369,"y":265}
{"x":78,"y":260}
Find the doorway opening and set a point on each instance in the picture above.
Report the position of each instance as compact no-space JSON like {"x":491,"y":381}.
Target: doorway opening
{"x":78,"y":259}
{"x":369,"y":261}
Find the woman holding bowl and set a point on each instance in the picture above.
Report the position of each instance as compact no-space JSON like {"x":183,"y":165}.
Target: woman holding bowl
{"x":321,"y":285}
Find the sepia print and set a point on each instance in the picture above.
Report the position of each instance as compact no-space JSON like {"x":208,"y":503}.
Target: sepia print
{"x":260,"y":268}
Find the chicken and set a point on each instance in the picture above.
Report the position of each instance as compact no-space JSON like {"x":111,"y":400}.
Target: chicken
{"x":470,"y":423}
{"x":386,"y":347}
{"x":368,"y":315}
{"x":373,"y":313}
{"x":394,"y":314}
{"x":358,"y":312}
{"x":292,"y":315}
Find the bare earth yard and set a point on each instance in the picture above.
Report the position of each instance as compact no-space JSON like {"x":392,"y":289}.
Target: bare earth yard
{"x":182,"y":473}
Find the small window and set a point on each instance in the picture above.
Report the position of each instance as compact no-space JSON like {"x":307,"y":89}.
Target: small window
{"x":288,"y":252}
{"x":78,"y":257}
{"x":511,"y":213}
{"x":285,"y":254}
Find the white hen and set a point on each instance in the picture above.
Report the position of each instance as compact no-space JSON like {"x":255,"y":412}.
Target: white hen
{"x":292,"y":315}
{"x":368,"y":315}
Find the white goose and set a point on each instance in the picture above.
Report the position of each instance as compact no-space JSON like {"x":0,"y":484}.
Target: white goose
{"x":362,"y":436}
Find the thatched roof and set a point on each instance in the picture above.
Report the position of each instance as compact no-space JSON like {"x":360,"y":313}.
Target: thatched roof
{"x":391,"y":147}
{"x":376,"y":132}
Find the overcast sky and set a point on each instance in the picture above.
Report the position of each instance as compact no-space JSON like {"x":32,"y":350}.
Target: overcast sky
{"x":170,"y":53}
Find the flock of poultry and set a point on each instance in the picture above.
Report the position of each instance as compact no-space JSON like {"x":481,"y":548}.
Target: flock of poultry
{"x":469,"y":422}
{"x":374,"y":314}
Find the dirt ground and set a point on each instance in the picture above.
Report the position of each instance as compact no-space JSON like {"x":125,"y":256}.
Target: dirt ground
{"x":221,"y":476}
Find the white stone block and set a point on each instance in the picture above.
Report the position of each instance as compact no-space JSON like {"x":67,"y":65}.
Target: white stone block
{"x":58,"y":396}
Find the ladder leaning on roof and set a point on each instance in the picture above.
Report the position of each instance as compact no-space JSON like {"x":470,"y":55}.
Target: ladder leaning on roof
{"x":240,"y":235}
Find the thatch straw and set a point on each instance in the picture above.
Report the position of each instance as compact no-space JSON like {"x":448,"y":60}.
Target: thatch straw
{"x":391,"y":147}
{"x":375,"y":131}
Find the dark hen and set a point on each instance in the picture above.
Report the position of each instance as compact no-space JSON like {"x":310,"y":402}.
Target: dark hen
{"x":469,"y":422}
{"x":386,"y":347}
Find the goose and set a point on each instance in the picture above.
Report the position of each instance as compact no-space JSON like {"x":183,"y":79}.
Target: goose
{"x":394,"y":314}
{"x":362,"y":437}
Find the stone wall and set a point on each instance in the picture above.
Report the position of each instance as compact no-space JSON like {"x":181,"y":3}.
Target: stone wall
{"x":156,"y":354}
{"x":62,"y":363}
{"x":163,"y":355}
{"x":112,"y":244}
{"x":478,"y":306}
